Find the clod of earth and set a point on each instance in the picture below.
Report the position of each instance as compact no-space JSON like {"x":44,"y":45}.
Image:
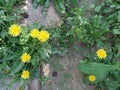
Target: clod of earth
{"x":25,"y":15}
{"x":54,"y":73}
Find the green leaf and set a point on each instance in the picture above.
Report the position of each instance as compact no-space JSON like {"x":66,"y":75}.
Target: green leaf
{"x":97,"y":9}
{"x":22,"y":86}
{"x":47,"y":4}
{"x":119,"y":16}
{"x":35,"y":60}
{"x":45,"y":7}
{"x":98,"y":69}
{"x":43,"y":55}
{"x":35,"y":4}
{"x":116,"y":31}
{"x":74,"y":2}
{"x":59,"y":5}
{"x":62,"y":7}
{"x":42,"y":2}
{"x":112,"y":85}
{"x":9,"y":57}
{"x":93,"y":6}
{"x":86,"y":80}
{"x":17,"y":67}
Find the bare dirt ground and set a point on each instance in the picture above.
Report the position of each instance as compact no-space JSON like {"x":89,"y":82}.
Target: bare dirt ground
{"x":64,"y":75}
{"x":35,"y":15}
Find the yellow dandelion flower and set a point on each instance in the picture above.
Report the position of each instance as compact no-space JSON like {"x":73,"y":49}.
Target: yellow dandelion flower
{"x":43,"y":35}
{"x":14,"y":30}
{"x":92,"y":78}
{"x":101,"y":53}
{"x":25,"y":57}
{"x":25,"y":74}
{"x":34,"y":33}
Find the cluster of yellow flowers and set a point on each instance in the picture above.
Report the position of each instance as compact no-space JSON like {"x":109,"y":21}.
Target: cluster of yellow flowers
{"x":43,"y":35}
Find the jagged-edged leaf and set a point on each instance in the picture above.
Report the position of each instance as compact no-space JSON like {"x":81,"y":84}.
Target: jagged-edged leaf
{"x":112,"y":85}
